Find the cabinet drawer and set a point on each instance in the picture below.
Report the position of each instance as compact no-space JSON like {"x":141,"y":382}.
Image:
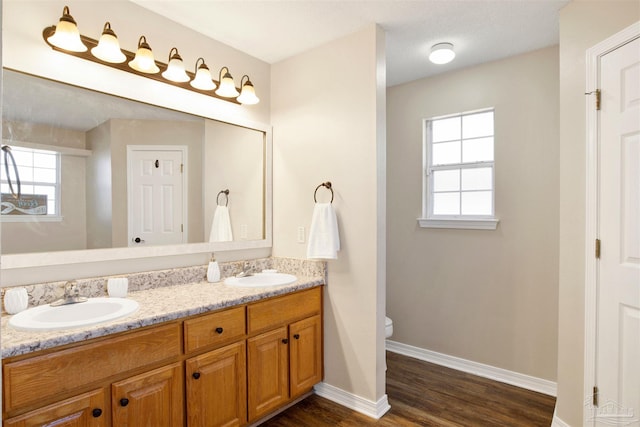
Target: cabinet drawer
{"x":42,"y":377}
{"x":214,"y":328}
{"x":282,"y":310}
{"x":89,"y":409}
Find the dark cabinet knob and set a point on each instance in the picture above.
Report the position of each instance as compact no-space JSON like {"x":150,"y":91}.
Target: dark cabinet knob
{"x":296,"y":336}
{"x":196,"y":375}
{"x":137,"y":240}
{"x":124,"y":401}
{"x":285,"y":341}
{"x":96,"y":412}
{"x":219,"y":330}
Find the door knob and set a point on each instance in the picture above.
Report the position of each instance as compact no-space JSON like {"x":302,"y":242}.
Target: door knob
{"x":219,"y":330}
{"x":285,"y":341}
{"x":196,"y":375}
{"x":296,"y":336}
{"x":124,"y":401}
{"x":96,"y":412}
{"x":137,"y":240}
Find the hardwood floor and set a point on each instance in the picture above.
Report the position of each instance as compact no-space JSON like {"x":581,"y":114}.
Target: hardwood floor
{"x":424,"y":394}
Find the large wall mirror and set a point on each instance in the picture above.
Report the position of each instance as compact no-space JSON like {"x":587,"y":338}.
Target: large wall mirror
{"x":100,"y":173}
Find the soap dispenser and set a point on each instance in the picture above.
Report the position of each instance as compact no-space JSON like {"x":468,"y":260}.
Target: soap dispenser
{"x":213,"y":271}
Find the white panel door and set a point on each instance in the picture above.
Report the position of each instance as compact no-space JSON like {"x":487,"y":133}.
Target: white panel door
{"x":618,"y":331}
{"x":156,"y":196}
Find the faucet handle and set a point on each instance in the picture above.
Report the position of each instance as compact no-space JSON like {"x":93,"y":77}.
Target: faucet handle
{"x":71,"y":289}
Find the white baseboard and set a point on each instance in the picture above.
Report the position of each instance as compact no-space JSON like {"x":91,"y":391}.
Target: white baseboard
{"x":359,"y":404}
{"x":557,"y":421}
{"x":498,"y":374}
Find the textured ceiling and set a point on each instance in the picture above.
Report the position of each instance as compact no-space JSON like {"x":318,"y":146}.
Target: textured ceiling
{"x":273,"y":30}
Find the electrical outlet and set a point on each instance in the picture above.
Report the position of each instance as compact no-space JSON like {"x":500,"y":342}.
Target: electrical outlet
{"x":301,"y":236}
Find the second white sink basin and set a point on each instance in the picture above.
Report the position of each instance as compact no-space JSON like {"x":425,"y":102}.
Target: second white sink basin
{"x":94,"y":311}
{"x":261,"y":280}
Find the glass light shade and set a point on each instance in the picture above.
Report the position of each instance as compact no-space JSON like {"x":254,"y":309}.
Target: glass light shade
{"x":442,"y":53}
{"x":203,"y":79}
{"x":67,"y":36}
{"x":144,"y":61}
{"x":175,"y":69}
{"x":108,"y":49}
{"x":248,"y":94}
{"x":227,"y":88}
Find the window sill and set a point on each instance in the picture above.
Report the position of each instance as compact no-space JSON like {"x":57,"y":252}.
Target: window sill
{"x":30,"y":218}
{"x":463,"y":224}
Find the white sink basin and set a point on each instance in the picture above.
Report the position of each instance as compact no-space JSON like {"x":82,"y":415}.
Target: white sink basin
{"x":94,"y":311}
{"x":261,"y":280}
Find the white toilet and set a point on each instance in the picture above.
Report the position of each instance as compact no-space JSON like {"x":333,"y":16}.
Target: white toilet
{"x":388,"y":327}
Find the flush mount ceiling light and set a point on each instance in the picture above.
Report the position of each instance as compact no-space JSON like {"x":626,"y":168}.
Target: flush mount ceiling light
{"x":66,"y":35}
{"x":175,"y":70}
{"x":227,"y":88}
{"x":247,"y":92}
{"x":144,"y":61}
{"x":65,"y":38}
{"x":203,"y":79}
{"x":108,"y":49}
{"x":442,"y":53}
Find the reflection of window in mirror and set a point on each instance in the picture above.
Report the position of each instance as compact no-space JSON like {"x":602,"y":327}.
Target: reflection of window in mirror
{"x":39,"y":172}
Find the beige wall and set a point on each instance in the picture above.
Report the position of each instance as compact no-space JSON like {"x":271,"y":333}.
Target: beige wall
{"x":234,"y":160}
{"x":485,"y":296}
{"x":70,"y":232}
{"x":99,"y":206}
{"x":582,"y":25}
{"x":326,"y":116}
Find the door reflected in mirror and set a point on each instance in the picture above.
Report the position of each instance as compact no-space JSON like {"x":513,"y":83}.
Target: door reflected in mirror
{"x":108,"y":172}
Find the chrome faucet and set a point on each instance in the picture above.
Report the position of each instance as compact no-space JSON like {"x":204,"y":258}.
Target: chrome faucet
{"x":246,"y":270}
{"x":71,"y":295}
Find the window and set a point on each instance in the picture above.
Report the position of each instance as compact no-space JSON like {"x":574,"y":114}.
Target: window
{"x":458,"y":186}
{"x":39,"y":175}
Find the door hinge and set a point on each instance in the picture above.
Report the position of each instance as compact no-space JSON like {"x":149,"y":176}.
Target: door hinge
{"x":595,"y":395}
{"x":597,"y":94}
{"x":182,"y":228}
{"x":181,"y":167}
{"x":598,"y":248}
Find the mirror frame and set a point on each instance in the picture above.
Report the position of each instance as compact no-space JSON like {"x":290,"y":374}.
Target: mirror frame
{"x":45,"y":259}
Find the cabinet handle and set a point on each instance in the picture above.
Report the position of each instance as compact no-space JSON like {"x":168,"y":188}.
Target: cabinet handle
{"x":96,"y":412}
{"x":124,"y":401}
{"x":196,"y":375}
{"x":296,"y":336}
{"x":285,"y":341}
{"x":219,"y":330}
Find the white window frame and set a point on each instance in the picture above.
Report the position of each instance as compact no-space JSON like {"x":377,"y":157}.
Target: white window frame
{"x":428,"y":218}
{"x":54,"y":217}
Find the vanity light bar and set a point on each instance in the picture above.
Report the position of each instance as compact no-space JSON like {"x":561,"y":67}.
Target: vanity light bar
{"x":230,"y":96}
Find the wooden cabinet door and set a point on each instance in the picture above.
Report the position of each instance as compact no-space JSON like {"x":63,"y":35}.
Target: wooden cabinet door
{"x":305,"y":355}
{"x":217,"y":387}
{"x":268,"y":375}
{"x":86,"y":410}
{"x":150,"y":399}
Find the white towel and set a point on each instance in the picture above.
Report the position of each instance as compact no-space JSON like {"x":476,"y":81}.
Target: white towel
{"x":324,"y":240}
{"x":221,"y":226}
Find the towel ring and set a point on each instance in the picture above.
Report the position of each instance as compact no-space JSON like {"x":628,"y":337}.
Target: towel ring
{"x":327,"y":185}
{"x":8,"y":155}
{"x":226,"y":193}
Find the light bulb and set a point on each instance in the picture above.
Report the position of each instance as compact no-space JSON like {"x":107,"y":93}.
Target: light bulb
{"x":66,"y":35}
{"x":108,"y":49}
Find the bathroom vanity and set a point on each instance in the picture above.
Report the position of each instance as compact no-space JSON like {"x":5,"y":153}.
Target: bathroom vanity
{"x":252,"y":354}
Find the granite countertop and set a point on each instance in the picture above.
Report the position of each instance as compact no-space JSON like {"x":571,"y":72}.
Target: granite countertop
{"x":157,"y":305}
